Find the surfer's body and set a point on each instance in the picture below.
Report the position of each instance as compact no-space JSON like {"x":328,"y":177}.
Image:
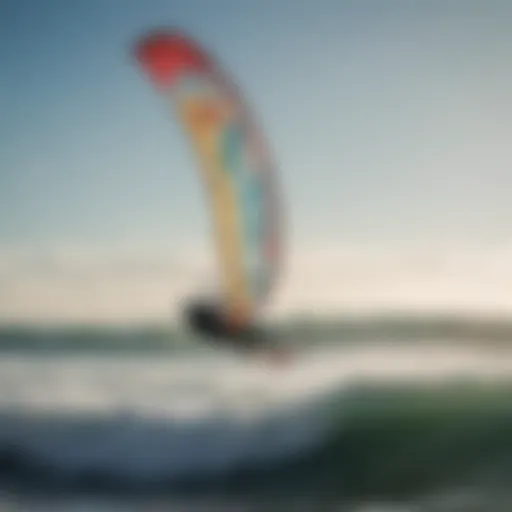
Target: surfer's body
{"x":209,"y":321}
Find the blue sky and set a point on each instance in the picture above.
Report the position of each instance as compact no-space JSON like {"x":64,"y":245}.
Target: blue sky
{"x":390,"y":123}
{"x":387,"y":120}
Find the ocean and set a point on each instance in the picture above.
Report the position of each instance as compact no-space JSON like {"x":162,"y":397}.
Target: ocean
{"x":375,"y":414}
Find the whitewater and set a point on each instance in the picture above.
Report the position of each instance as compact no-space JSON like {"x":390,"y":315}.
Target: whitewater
{"x":144,"y":419}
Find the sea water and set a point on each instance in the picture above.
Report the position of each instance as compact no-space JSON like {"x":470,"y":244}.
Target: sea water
{"x":346,"y":426}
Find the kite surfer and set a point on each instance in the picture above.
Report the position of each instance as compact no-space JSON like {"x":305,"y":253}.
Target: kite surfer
{"x":208,"y":320}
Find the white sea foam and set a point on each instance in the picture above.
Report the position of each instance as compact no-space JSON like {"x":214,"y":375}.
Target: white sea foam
{"x":146,"y":418}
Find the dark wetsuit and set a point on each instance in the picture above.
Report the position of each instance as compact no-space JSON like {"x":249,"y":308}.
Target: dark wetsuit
{"x":207,"y":320}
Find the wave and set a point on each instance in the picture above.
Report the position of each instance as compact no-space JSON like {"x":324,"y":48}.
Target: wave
{"x":356,"y":443}
{"x":213,"y":426}
{"x":139,"y":451}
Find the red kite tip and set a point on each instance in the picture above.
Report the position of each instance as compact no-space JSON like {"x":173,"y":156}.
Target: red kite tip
{"x":167,"y":53}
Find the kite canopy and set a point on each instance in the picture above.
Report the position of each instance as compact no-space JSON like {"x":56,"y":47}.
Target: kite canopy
{"x":233,"y":162}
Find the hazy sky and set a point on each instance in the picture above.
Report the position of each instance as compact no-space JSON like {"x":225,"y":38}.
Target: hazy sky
{"x":388,"y":120}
